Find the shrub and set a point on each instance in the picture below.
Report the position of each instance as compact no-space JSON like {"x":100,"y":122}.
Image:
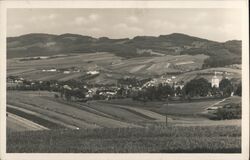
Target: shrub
{"x":56,"y":96}
{"x":229,"y":111}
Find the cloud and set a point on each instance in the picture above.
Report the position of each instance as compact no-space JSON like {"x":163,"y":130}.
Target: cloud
{"x":162,"y":24}
{"x":50,"y":17}
{"x":200,"y":17}
{"x":132,"y":19}
{"x":124,"y":28}
{"x":80,"y":20}
{"x":227,"y":28}
{"x":94,"y":17}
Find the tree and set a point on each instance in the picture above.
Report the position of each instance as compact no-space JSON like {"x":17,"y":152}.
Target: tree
{"x":151,"y":93}
{"x":178,"y":91}
{"x":56,"y":96}
{"x":80,"y":94}
{"x":197,"y":87}
{"x":215,"y":91}
{"x":165,"y":91}
{"x":239,"y":89}
{"x":226,"y":87}
{"x":68,"y":94}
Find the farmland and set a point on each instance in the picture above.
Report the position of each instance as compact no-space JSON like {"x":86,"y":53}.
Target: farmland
{"x":215,"y":139}
{"x":111,"y":66}
{"x":17,"y":124}
{"x":114,"y":125}
{"x":114,"y":114}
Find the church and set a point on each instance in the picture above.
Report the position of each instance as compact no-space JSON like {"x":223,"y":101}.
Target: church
{"x":215,"y":81}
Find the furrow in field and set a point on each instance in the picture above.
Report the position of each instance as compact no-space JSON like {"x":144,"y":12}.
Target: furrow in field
{"x":71,"y":76}
{"x":94,"y":118}
{"x":84,"y":116}
{"x":80,"y":105}
{"x":43,"y":117}
{"x":24,"y":123}
{"x":13,"y":71}
{"x":144,"y":112}
{"x":117,"y":112}
{"x":56,"y":117}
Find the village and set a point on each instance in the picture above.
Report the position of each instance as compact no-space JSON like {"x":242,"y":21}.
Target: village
{"x":129,"y":87}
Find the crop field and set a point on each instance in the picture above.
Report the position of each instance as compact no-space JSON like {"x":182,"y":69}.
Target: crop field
{"x":233,"y":73}
{"x":106,"y":62}
{"x":115,"y":126}
{"x":43,"y":108}
{"x":112,"y":67}
{"x":50,"y":108}
{"x":18,"y":124}
{"x":158,"y":139}
{"x":162,"y":107}
{"x":183,"y":114}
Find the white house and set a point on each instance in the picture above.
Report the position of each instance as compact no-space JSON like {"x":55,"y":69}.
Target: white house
{"x":66,"y":72}
{"x":93,"y":72}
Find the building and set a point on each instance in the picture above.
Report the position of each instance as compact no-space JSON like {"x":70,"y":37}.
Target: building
{"x":179,"y":84}
{"x":93,"y":72}
{"x":215,"y":81}
{"x":66,"y":72}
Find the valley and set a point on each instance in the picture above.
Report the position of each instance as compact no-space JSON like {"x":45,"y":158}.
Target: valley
{"x":158,"y":95}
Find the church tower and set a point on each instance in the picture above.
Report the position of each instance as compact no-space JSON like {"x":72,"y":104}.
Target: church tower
{"x":215,"y":81}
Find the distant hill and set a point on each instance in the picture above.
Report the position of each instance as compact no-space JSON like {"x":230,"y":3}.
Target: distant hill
{"x":30,"y":45}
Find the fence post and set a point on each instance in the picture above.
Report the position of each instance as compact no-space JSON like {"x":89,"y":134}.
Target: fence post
{"x":166,"y":112}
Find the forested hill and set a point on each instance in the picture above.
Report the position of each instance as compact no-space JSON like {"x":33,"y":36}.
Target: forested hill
{"x":173,"y":44}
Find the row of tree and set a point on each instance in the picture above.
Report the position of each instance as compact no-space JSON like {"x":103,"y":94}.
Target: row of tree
{"x":194,"y":88}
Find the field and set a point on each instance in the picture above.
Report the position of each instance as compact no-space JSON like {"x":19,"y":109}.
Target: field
{"x":69,"y":115}
{"x":213,"y":139}
{"x":115,"y":126}
{"x":17,"y":124}
{"x":112,"y":67}
{"x":112,"y":114}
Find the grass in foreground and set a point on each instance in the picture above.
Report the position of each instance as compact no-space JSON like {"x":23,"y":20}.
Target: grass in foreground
{"x":172,"y":139}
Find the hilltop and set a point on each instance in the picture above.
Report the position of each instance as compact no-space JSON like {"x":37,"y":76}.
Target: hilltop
{"x":36,"y":44}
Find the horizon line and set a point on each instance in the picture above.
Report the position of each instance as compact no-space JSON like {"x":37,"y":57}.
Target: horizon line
{"x":121,"y":37}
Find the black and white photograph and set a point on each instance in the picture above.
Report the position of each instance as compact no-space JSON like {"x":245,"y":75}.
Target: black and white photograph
{"x":125,"y":80}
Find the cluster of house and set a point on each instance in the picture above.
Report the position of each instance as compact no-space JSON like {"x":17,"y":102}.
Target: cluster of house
{"x":34,"y":58}
{"x":164,"y":81}
{"x":63,"y":70}
{"x":13,"y":81}
{"x":69,"y":70}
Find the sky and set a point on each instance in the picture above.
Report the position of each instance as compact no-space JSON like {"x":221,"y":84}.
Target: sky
{"x":213,"y":24}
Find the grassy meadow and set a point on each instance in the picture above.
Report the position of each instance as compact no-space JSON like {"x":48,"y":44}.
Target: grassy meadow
{"x":152,"y":139}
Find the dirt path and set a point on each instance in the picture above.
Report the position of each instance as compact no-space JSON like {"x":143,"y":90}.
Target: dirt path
{"x":216,"y":103}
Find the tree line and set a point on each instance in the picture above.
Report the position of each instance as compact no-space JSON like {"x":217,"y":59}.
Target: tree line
{"x":194,"y":88}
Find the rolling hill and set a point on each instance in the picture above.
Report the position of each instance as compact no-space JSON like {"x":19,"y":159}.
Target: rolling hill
{"x":35,"y":44}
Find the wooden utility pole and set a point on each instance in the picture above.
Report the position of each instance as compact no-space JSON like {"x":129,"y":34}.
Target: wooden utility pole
{"x":166,"y":112}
